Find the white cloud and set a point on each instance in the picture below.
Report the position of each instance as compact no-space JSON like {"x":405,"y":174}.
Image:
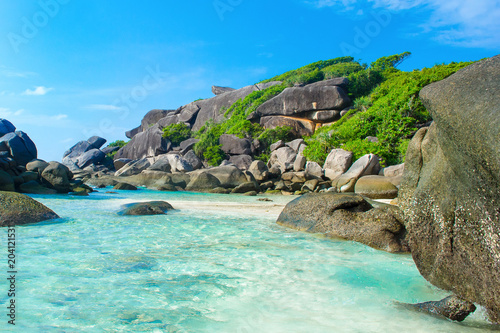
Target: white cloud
{"x":7,"y":113}
{"x":103,"y":107}
{"x":38,"y":91}
{"x":60,"y":117}
{"x":458,"y":22}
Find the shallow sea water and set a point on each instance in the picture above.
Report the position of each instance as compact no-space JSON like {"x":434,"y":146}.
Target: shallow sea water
{"x":206,"y":268}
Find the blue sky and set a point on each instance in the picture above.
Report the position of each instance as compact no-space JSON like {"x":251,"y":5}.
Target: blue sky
{"x":70,"y":69}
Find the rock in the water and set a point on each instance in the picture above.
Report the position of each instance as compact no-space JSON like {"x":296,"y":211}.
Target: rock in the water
{"x":125,"y":187}
{"x":452,"y":307}
{"x":233,"y":145}
{"x":450,"y":193}
{"x":149,"y":143}
{"x":367,"y":165}
{"x":18,"y":209}
{"x":337,"y":163}
{"x":146,"y":208}
{"x":57,"y":176}
{"x":203,"y":182}
{"x":6,"y":127}
{"x":376,"y":187}
{"x":221,"y":90}
{"x":347,"y":216}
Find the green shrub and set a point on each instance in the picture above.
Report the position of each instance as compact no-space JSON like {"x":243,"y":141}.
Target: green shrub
{"x":177,"y":133}
{"x":214,"y":155}
{"x":270,"y":136}
{"x":117,"y":143}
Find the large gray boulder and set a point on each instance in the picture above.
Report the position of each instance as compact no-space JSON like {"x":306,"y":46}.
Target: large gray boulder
{"x":58,"y":177}
{"x":152,"y":117}
{"x":284,"y":157}
{"x":337,"y":163}
{"x":21,"y":148}
{"x":259,"y":170}
{"x":91,"y":157}
{"x":295,"y":101}
{"x":96,"y":142}
{"x":19,"y":209}
{"x":203,"y":181}
{"x":366,"y":165}
{"x":133,"y":132}
{"x":37,"y":166}
{"x":146,"y":208}
{"x":233,"y":145}
{"x":347,"y":216}
{"x":376,"y":187}
{"x":6,"y":127}
{"x":450,"y":193}
{"x":78,"y":149}
{"x":161,"y":164}
{"x":149,"y":143}
{"x":179,"y":163}
{"x":193,"y":159}
{"x":242,"y":162}
{"x":229,"y":176}
{"x":133,"y":168}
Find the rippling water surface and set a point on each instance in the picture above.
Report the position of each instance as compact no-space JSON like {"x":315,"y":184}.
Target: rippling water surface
{"x":199,"y":269}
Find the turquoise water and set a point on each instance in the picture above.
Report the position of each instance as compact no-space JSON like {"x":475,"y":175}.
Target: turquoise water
{"x":199,"y":269}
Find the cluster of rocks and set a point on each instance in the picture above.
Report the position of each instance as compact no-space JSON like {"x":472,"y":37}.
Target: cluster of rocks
{"x":21,"y":171}
{"x":87,"y":157}
{"x":305,"y":108}
{"x":301,"y":108}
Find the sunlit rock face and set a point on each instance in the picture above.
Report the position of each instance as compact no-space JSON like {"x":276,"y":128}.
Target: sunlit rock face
{"x":450,"y":193}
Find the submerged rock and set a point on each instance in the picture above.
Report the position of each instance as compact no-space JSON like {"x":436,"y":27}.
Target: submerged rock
{"x":347,"y":216}
{"x":18,"y":209}
{"x":452,"y":307}
{"x":125,"y":187}
{"x":146,"y":208}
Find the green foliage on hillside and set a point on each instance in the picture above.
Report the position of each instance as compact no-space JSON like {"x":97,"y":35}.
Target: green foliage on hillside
{"x":235,"y":123}
{"x":177,"y":133}
{"x":385,"y":100}
{"x":394,"y":110}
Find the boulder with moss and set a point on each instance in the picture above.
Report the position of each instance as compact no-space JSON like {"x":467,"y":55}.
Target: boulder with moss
{"x":19,"y":209}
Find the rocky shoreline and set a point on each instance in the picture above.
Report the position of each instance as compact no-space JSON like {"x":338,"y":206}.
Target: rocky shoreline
{"x":448,"y":190}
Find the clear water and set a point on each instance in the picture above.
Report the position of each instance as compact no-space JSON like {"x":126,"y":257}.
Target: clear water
{"x":206,"y":270}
